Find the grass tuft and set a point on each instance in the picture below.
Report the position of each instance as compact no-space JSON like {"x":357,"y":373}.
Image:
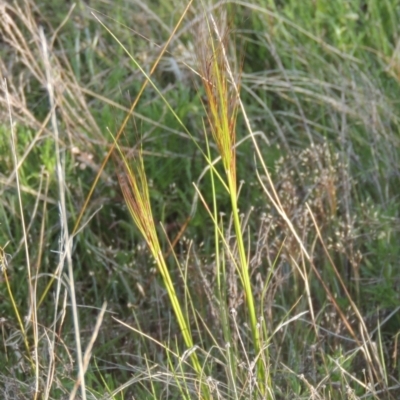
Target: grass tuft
{"x":262,"y":261}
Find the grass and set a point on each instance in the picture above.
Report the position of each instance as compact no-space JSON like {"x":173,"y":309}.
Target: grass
{"x":243,"y":241}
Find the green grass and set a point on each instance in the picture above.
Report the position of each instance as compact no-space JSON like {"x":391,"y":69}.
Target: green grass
{"x":285,"y":265}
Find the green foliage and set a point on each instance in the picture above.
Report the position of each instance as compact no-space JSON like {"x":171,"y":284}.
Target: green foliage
{"x":320,"y":86}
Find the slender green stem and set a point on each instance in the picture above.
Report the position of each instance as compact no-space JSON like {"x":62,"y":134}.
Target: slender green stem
{"x":245,"y":278}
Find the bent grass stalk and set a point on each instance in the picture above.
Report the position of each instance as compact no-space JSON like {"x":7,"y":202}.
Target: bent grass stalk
{"x":222,"y":109}
{"x":121,"y":128}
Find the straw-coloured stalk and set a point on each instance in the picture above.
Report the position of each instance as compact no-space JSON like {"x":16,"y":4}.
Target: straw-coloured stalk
{"x":222,"y":93}
{"x":134,"y":187}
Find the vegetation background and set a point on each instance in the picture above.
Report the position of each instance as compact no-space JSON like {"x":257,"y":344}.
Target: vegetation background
{"x":85,"y":309}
